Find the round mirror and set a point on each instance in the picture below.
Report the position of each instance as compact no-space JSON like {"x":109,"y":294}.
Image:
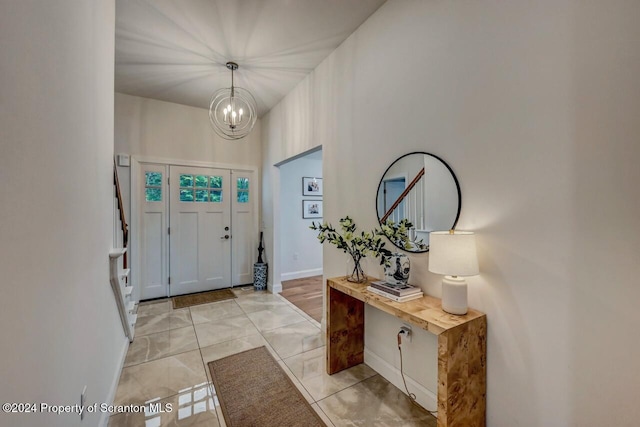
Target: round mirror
{"x":418,"y":194}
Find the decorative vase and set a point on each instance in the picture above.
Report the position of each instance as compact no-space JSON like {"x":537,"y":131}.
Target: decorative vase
{"x":355,"y":273}
{"x":260,"y":276}
{"x":396,"y":269}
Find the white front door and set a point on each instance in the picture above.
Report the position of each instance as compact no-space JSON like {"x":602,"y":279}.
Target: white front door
{"x":200,"y":229}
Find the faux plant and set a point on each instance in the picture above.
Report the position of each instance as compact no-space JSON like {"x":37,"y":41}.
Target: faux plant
{"x":358,"y":245}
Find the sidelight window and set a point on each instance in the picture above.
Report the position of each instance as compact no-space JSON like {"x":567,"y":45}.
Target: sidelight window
{"x":153,"y":186}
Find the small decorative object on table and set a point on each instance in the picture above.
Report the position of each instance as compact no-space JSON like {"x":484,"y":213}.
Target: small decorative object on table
{"x":397,"y":265}
{"x":260,"y":270}
{"x":358,"y":246}
{"x":396,"y":269}
{"x":399,"y":293}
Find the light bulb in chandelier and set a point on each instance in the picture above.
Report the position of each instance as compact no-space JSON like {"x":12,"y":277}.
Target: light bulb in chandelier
{"x":232,"y":111}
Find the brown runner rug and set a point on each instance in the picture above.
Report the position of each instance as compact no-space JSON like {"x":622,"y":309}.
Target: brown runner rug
{"x":202,"y":298}
{"x":254,"y":391}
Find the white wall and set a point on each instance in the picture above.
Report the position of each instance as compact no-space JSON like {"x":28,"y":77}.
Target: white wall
{"x":151,"y":128}
{"x":534,"y":105}
{"x":60,"y":324}
{"x":301,"y":254}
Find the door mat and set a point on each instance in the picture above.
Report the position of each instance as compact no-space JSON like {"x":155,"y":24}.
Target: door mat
{"x":202,"y":298}
{"x":253,"y":390}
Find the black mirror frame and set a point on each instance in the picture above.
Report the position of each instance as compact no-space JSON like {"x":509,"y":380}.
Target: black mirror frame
{"x":455,"y":179}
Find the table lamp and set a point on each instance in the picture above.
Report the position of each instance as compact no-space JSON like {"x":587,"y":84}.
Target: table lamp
{"x":453,"y":253}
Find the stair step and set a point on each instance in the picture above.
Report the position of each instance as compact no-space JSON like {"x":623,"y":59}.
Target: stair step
{"x":131,"y":307}
{"x":125,"y":273}
{"x":127,"y":291}
{"x":133,"y":319}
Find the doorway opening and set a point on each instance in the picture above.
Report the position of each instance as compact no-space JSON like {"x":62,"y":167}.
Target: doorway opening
{"x":300,"y":261}
{"x":196,"y":228}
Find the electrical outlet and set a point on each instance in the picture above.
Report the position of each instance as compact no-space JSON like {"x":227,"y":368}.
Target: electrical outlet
{"x":407,"y":332}
{"x":83,"y":399}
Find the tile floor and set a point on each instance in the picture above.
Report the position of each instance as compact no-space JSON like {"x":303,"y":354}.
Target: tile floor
{"x":167,"y":364}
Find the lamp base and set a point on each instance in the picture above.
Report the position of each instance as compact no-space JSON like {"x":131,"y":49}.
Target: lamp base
{"x":454,"y":295}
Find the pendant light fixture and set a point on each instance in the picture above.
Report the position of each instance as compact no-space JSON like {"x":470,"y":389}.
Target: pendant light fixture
{"x":232,"y":111}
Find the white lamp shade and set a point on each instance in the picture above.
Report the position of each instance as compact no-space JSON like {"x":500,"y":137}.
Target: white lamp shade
{"x":453,"y":254}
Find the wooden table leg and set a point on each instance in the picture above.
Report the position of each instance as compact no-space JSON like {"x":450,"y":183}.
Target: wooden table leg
{"x":345,"y":331}
{"x":462,"y":357}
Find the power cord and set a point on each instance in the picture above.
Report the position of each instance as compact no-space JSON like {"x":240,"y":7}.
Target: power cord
{"x":412,"y":396}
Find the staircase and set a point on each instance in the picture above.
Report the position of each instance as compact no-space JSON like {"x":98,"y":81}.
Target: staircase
{"x":410,"y":204}
{"x":118,"y":271}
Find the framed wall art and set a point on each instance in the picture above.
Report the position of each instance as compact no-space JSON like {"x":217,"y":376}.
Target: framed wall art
{"x":311,"y":186}
{"x":311,"y":209}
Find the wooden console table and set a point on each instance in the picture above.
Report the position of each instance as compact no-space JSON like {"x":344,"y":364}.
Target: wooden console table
{"x":462,"y":345}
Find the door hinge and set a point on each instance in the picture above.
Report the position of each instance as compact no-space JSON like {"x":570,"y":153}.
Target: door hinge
{"x":169,"y":279}
{"x":168,"y":230}
{"x":168,"y":182}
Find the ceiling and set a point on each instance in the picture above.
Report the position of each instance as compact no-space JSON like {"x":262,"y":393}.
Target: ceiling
{"x":176,"y":51}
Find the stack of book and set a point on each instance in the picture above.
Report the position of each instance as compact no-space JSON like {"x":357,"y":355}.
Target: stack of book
{"x":399,"y":293}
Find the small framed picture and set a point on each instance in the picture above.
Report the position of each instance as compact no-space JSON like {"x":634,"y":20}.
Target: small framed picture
{"x":311,"y":209}
{"x":311,"y":186}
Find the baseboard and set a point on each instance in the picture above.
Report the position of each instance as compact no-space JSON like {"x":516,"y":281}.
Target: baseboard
{"x":274,"y":288}
{"x":301,"y":274}
{"x":104,"y":418}
{"x":424,"y":396}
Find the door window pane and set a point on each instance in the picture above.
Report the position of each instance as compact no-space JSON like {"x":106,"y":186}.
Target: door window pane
{"x":201,"y":181}
{"x":243,"y":183}
{"x":186,"y":195}
{"x":215,"y":196}
{"x":186,"y":180}
{"x":153,"y":194}
{"x":215,"y":181}
{"x":153,"y":179}
{"x":243,"y":197}
{"x":202,"y":195}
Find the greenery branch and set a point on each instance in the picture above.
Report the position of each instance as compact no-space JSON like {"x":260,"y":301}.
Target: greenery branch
{"x":358,"y":245}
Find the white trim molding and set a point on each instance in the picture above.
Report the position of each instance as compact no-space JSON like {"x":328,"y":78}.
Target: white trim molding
{"x":178,"y":162}
{"x":274,"y":288}
{"x":300,"y":274}
{"x":104,"y":418}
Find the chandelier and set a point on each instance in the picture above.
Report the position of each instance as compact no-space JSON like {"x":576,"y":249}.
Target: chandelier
{"x":232,"y":111}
